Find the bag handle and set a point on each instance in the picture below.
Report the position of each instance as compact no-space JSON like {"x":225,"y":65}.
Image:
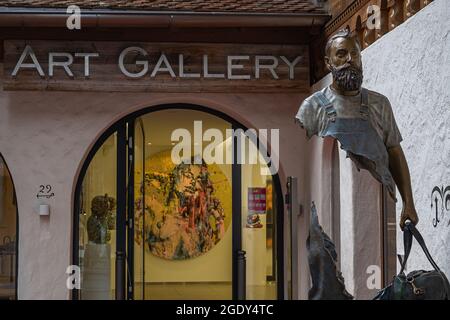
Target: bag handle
{"x":407,"y":244}
{"x":409,"y":232}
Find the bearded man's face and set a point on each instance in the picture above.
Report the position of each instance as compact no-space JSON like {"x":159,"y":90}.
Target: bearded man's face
{"x":344,"y":62}
{"x":348,"y":77}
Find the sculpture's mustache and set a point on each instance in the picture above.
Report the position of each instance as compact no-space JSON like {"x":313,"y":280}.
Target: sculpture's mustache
{"x":347,"y":66}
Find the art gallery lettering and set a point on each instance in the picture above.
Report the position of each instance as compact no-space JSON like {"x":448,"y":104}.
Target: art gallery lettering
{"x":232,"y":65}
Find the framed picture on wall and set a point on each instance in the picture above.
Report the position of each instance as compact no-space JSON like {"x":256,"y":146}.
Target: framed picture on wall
{"x":256,"y":200}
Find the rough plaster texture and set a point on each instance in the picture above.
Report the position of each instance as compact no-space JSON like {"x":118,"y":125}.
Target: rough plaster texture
{"x":45,"y":136}
{"x":411,"y":66}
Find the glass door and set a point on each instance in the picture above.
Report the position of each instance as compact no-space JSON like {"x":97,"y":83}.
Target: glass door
{"x":259,"y":217}
{"x":97,"y":232}
{"x":183,"y":230}
{"x":8,"y":234}
{"x":102,"y":217}
{"x":163,"y":213}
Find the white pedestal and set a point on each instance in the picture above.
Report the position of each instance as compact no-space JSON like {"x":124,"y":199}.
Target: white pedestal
{"x":96,"y":284}
{"x":254,"y":243}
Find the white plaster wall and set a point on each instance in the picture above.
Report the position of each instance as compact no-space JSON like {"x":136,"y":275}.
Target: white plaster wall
{"x":347,"y":223}
{"x":411,"y":66}
{"x":44,"y":137}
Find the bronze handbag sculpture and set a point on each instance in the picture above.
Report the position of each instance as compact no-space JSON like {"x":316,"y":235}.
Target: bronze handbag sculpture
{"x":418,"y":284}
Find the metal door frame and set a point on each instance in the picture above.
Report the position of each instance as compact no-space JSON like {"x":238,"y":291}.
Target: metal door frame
{"x":125,"y":278}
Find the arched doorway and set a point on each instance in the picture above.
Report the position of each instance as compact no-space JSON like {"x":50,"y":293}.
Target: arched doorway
{"x":149,"y":225}
{"x":8,"y":234}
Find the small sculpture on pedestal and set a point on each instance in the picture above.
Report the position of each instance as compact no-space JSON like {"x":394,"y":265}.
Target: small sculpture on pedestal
{"x":101,"y":220}
{"x":97,"y":265}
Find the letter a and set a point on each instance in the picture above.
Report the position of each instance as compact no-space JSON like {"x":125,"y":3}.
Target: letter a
{"x":74,"y":20}
{"x":374,"y":279}
{"x":28,"y":51}
{"x":74,"y":279}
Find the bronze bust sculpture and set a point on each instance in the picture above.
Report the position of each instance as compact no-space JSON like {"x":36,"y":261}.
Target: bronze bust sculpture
{"x":360,"y":119}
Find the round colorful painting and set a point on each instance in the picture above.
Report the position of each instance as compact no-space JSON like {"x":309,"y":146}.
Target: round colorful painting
{"x":185,"y":207}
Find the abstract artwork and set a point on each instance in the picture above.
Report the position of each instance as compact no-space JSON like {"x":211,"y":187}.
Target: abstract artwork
{"x":185,"y":208}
